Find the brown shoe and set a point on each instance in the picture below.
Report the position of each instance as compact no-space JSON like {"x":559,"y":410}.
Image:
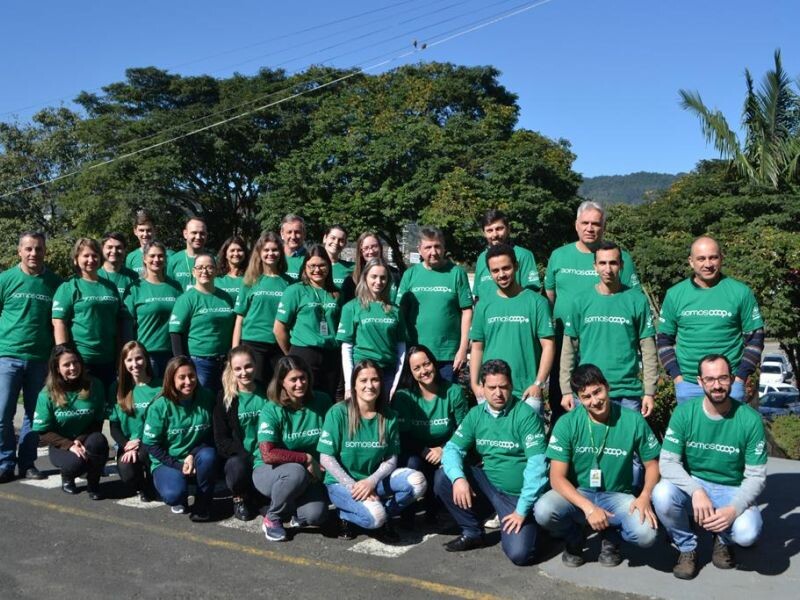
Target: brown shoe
{"x":686,"y":565}
{"x":722,"y":556}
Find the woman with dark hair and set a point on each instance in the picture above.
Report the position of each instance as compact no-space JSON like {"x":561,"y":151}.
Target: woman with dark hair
{"x":429,"y":409}
{"x":231,"y":264}
{"x":201,"y":324}
{"x":257,"y":303}
{"x":134,"y":390}
{"x":287,"y":467}
{"x":86,"y":312}
{"x":358,"y":449}
{"x":368,"y":246}
{"x":334,"y":240}
{"x":69,"y":418}
{"x":307,"y":318}
{"x":236,"y":415}
{"x":370,"y":327}
{"x":178,"y":435}
{"x":148,"y":304}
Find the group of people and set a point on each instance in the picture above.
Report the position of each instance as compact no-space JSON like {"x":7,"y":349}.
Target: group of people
{"x":302,"y":378}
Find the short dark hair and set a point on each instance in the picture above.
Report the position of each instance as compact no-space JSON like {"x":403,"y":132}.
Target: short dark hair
{"x":492,"y":215}
{"x":607,"y":245}
{"x":501,"y":250}
{"x":712,"y":358}
{"x":142,"y":217}
{"x":37,"y":235}
{"x":431,"y":233}
{"x":586,"y":375}
{"x":336,"y":226}
{"x":494,"y":366}
{"x":116,"y":236}
{"x":191,"y":218}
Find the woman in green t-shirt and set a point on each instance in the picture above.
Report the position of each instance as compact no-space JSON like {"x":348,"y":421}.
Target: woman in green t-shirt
{"x":148,"y":304}
{"x":429,"y":409}
{"x":370,"y":327}
{"x":178,"y":435}
{"x":307,"y":318}
{"x":358,"y":449}
{"x":368,"y":246}
{"x":236,"y":413}
{"x":135,"y":389}
{"x":87,"y":311}
{"x":69,"y":418}
{"x":287,"y":469}
{"x":231,"y":263}
{"x":262,"y":287}
{"x":334,"y":240}
{"x":201,"y":325}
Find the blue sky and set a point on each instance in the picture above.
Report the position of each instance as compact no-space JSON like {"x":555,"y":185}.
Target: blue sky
{"x":603,"y":74}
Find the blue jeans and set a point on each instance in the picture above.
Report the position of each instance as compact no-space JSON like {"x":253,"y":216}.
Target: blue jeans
{"x":396,"y":492}
{"x":209,"y":371}
{"x":634,"y":403}
{"x":158,"y":362}
{"x":446,"y":370}
{"x":674,"y":509}
{"x":28,"y":377}
{"x":519,"y":547}
{"x":687,"y":390}
{"x":173,"y":485}
{"x":565,"y":520}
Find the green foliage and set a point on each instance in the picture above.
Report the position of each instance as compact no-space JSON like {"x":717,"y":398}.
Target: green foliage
{"x":634,"y":188}
{"x":786,"y":435}
{"x":664,"y":405}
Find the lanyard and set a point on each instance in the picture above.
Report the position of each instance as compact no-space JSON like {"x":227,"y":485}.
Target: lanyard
{"x":598,"y":451}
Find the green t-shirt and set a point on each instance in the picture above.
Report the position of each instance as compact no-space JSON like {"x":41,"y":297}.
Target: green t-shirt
{"x":91,"y":310}
{"x":707,"y":320}
{"x":625,"y":434}
{"x":249,"y":411}
{"x":229,"y":284}
{"x":716,"y":450}
{"x":431,"y":302}
{"x":511,"y":329}
{"x":342,"y":270}
{"x":143,"y":396}
{"x":504,"y":442}
{"x":180,"y":268}
{"x":206,"y":319}
{"x":296,"y":430}
{"x":609,"y":329}
{"x":527,"y":274}
{"x":294,"y":264}
{"x":570,"y":273}
{"x":122,"y":278}
{"x":26,"y":303}
{"x":373,"y":332}
{"x":149,"y":306}
{"x":362,"y":454}
{"x":176,"y":428}
{"x":258,"y":305}
{"x":312,"y":315}
{"x":430,"y":422}
{"x":75,"y":417}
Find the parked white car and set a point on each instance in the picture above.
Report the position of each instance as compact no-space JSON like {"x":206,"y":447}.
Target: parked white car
{"x":773,"y":372}
{"x":768,"y":388}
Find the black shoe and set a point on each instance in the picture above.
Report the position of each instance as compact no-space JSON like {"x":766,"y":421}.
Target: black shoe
{"x":201,"y":511}
{"x":407,"y":520}
{"x":610,"y":555}
{"x":241,"y":510}
{"x":68,"y":486}
{"x":7,"y":476}
{"x":95,"y":493}
{"x":347,"y":531}
{"x":463,"y":543}
{"x":33,"y":473}
{"x":573,"y":555}
{"x":146,"y":495}
{"x":387,"y":534}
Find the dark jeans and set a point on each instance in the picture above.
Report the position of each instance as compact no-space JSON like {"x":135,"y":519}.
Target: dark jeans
{"x":266,"y":356}
{"x":158,"y":361}
{"x":172,"y":484}
{"x":239,"y":475}
{"x":209,"y":371}
{"x":325,"y":365}
{"x":554,"y":387}
{"x":71,"y":465}
{"x":106,"y":373}
{"x":135,"y":475}
{"x":519,"y":547}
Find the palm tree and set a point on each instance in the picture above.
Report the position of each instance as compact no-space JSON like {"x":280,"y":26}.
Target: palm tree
{"x":770,"y":154}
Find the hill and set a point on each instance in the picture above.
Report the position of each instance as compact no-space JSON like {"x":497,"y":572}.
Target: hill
{"x":625,"y":189}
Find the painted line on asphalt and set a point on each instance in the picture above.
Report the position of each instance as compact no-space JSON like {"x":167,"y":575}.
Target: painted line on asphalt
{"x":370,"y":574}
{"x":134,"y":502}
{"x":376,"y":548}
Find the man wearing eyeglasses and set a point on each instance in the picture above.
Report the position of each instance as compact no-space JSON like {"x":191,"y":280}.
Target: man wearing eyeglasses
{"x":709,"y":312}
{"x":713,"y":467}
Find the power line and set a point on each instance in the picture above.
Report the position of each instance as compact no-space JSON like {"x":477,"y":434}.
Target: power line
{"x":448,"y":38}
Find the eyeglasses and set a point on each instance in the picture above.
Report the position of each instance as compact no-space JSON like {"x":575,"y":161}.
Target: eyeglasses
{"x":204,"y":269}
{"x":720,"y":379}
{"x":322,"y":267}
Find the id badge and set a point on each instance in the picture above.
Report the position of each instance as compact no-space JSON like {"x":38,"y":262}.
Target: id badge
{"x":323,"y":328}
{"x":595,"y":478}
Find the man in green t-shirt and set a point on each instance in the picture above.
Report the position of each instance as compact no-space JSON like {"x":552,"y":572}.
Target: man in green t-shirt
{"x":494,"y":225}
{"x":591,"y":452}
{"x":26,"y":339}
{"x":709,"y":312}
{"x":508,"y":437}
{"x":713,"y":465}
{"x":181,"y":264}
{"x":144,"y":230}
{"x":514,"y":324}
{"x":436,"y":304}
{"x":293,"y":234}
{"x":571,"y":273}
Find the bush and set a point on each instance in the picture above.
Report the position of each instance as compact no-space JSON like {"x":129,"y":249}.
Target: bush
{"x":786,"y":435}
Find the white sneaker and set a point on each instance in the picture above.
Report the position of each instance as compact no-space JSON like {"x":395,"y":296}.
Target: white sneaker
{"x":493,"y":523}
{"x":293,"y":523}
{"x":179,"y":509}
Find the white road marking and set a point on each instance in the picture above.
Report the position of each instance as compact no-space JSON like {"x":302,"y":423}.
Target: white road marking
{"x":52,"y":482}
{"x":376,"y":548}
{"x":253,"y":526}
{"x":134,"y":502}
